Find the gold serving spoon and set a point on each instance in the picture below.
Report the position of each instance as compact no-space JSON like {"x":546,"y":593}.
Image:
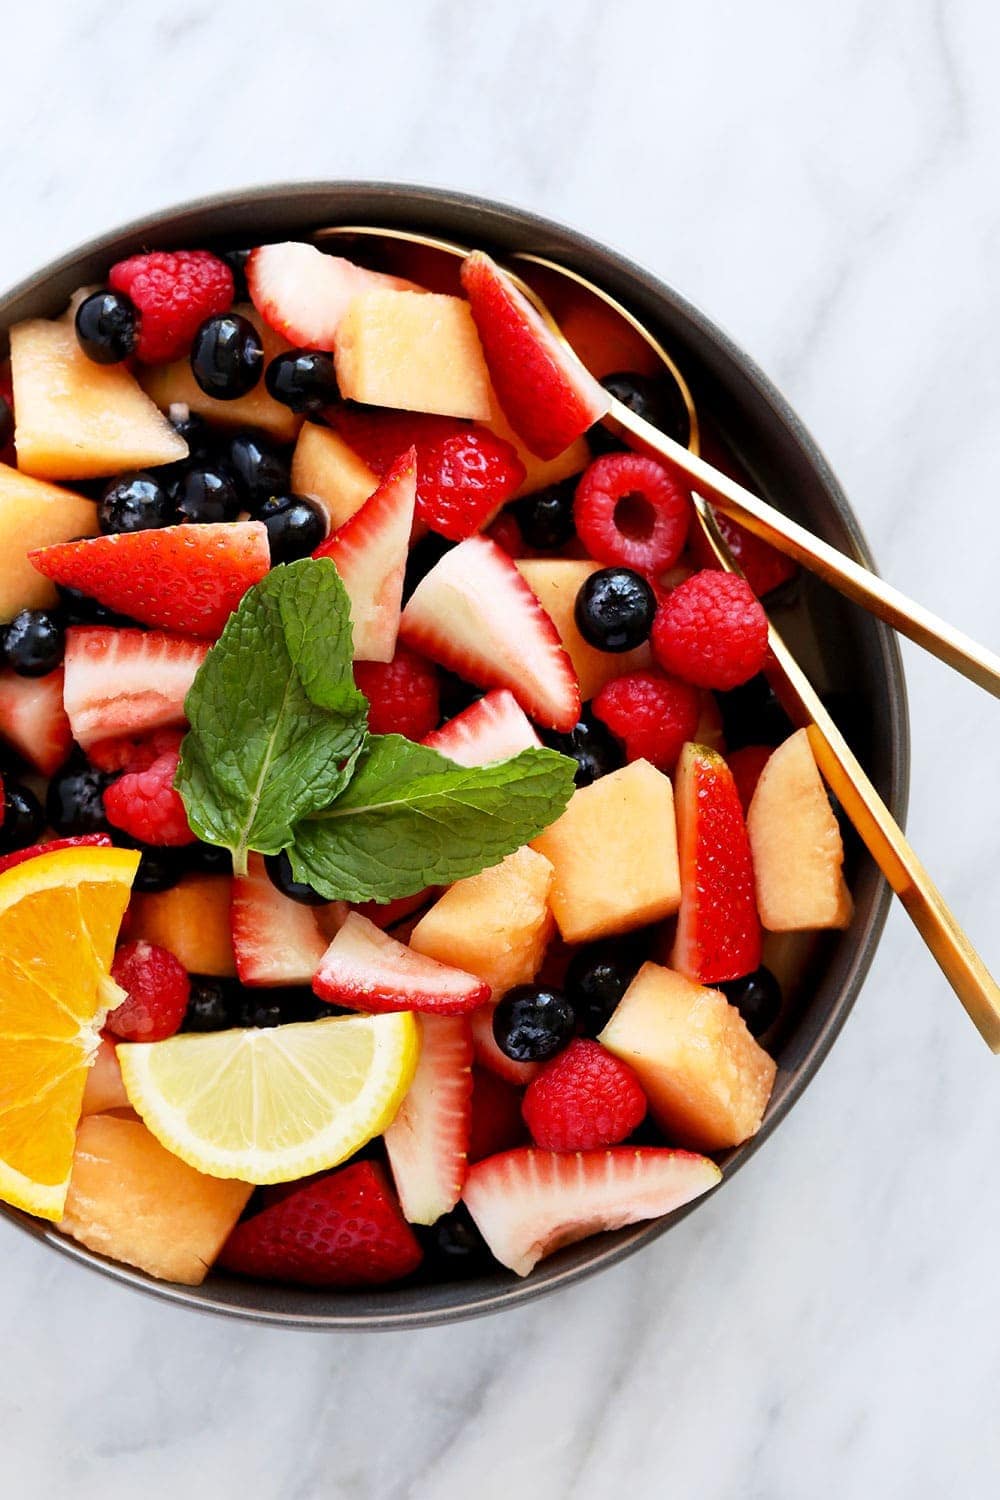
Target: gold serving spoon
{"x":841,"y":572}
{"x":961,"y":964}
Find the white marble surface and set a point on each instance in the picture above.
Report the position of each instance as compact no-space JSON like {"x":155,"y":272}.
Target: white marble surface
{"x":823,"y":179}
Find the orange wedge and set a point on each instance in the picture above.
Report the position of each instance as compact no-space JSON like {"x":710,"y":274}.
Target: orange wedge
{"x":59,"y":918}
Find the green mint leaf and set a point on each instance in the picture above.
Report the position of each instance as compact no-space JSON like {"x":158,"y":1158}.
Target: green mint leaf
{"x":410,"y":818}
{"x":262,"y":752}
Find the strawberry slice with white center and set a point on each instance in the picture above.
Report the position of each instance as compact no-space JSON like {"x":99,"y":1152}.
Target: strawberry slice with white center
{"x":428,"y":1141}
{"x":123,"y":682}
{"x":474,"y":614}
{"x":547,"y":395}
{"x":528,"y":1202}
{"x":369,"y":552}
{"x":368,"y":970}
{"x":494,"y":728}
{"x":33,"y":720}
{"x":183,"y":578}
{"x":276,"y":940}
{"x":302,"y":293}
{"x":490,"y":1057}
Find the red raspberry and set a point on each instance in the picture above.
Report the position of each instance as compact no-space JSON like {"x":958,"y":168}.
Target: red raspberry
{"x":583,"y":1099}
{"x":711,"y":631}
{"x":130,"y":752}
{"x":157,"y":987}
{"x":746,"y":765}
{"x":631,"y":512}
{"x":174,"y":291}
{"x":402,"y":694}
{"x":146,"y":805}
{"x":654,"y":716}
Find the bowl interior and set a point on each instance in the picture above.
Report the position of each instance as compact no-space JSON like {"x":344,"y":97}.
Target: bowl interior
{"x":852,"y":659}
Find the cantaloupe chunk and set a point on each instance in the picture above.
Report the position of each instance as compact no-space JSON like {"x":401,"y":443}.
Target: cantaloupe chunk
{"x":192,"y":920}
{"x":131,"y":1200}
{"x":104,"y":1089}
{"x":174,"y":384}
{"x":706,"y":1079}
{"x":555,"y":583}
{"x":798,"y":854}
{"x":495,"y":925}
{"x":76,"y":419}
{"x":34,"y":514}
{"x":615,"y":855}
{"x":539,"y":473}
{"x":327,"y":470}
{"x":418,"y":351}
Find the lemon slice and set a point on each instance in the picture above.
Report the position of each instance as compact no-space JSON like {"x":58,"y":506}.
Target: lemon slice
{"x":274,"y":1104}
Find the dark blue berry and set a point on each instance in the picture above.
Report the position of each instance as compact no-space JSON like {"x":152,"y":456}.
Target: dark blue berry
{"x":423,"y":556}
{"x":202,"y":440}
{"x":531,"y":1025}
{"x":75,"y":801}
{"x":207,"y":859}
{"x":227,"y":357}
{"x":658,"y":401}
{"x":159,"y":868}
{"x":79,"y":608}
{"x":454,"y":1248}
{"x":34,"y":642}
{"x":598,"y":976}
{"x":106,"y":327}
{"x":205,"y":495}
{"x":546,"y":517}
{"x":614,"y":609}
{"x":23,"y":818}
{"x":259,"y":470}
{"x":591,"y":744}
{"x":757,"y":997}
{"x":213,"y":1004}
{"x":279,"y":872}
{"x":279,"y":1007}
{"x":303,"y":379}
{"x":137,"y":502}
{"x":6,"y":422}
{"x":236,"y":260}
{"x":752,"y":715}
{"x":295,"y":526}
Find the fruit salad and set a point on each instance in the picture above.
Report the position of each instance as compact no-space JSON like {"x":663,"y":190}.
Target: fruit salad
{"x":399,"y":839}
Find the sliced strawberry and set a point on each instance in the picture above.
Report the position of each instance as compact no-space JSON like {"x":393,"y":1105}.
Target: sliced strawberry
{"x":370,"y":552}
{"x":718,"y":929}
{"x":428,"y":1141}
{"x":548,"y":397}
{"x":132,"y":752}
{"x":528,"y":1202}
{"x":126,"y":682}
{"x":33,"y":720}
{"x":474,"y":613}
{"x":341,"y":1230}
{"x":494,"y":728}
{"x":746,"y":765}
{"x":303,"y":293}
{"x":79,"y":841}
{"x":183,"y":578}
{"x":497,"y":1122}
{"x":367,"y":969}
{"x":489,"y":1056}
{"x":275,"y":940}
{"x":764,"y":567}
{"x":465,"y":473}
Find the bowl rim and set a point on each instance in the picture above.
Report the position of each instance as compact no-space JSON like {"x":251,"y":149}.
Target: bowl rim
{"x":897,"y":738}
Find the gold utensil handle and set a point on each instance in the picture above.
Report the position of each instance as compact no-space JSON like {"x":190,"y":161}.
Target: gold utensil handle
{"x":839,"y":571}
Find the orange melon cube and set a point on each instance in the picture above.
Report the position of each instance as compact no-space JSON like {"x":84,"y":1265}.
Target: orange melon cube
{"x":555,"y":583}
{"x":418,"y":351}
{"x":104,"y":1088}
{"x":614,"y":851}
{"x":34,"y":514}
{"x":76,"y":419}
{"x":131,"y":1200}
{"x":706,"y":1078}
{"x":496,"y":924}
{"x":192,"y":920}
{"x":327,"y":470}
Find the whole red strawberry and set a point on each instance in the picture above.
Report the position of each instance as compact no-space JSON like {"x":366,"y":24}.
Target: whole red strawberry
{"x":341,"y":1230}
{"x":403,"y":695}
{"x":157,"y":990}
{"x":653,"y":715}
{"x":174,"y":291}
{"x":711,"y":631}
{"x":582,"y":1099}
{"x":146,"y":805}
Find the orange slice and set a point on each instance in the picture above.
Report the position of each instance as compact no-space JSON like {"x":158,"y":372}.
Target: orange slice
{"x":59,"y":918}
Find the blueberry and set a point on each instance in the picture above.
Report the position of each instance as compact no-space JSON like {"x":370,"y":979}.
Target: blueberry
{"x":212,"y":1005}
{"x":207,"y":859}
{"x":137,"y":502}
{"x":455,"y":1249}
{"x":614,"y":609}
{"x":202,"y":441}
{"x":757,"y":997}
{"x":597,"y":978}
{"x":456,"y":694}
{"x":227,"y":357}
{"x":236,"y":260}
{"x":6,"y":422}
{"x":159,"y":868}
{"x":659,"y":401}
{"x":295,"y":526}
{"x":75,"y":801}
{"x":278,"y":1007}
{"x":23,"y":819}
{"x":546,"y":518}
{"x":592,"y":745}
{"x":752,"y":715}
{"x":259,"y":470}
{"x":279,"y":872}
{"x":424,"y":555}
{"x":531,"y":1025}
{"x":206,"y":494}
{"x":106,"y":327}
{"x":80,"y":609}
{"x":304,"y":379}
{"x":34,"y":642}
